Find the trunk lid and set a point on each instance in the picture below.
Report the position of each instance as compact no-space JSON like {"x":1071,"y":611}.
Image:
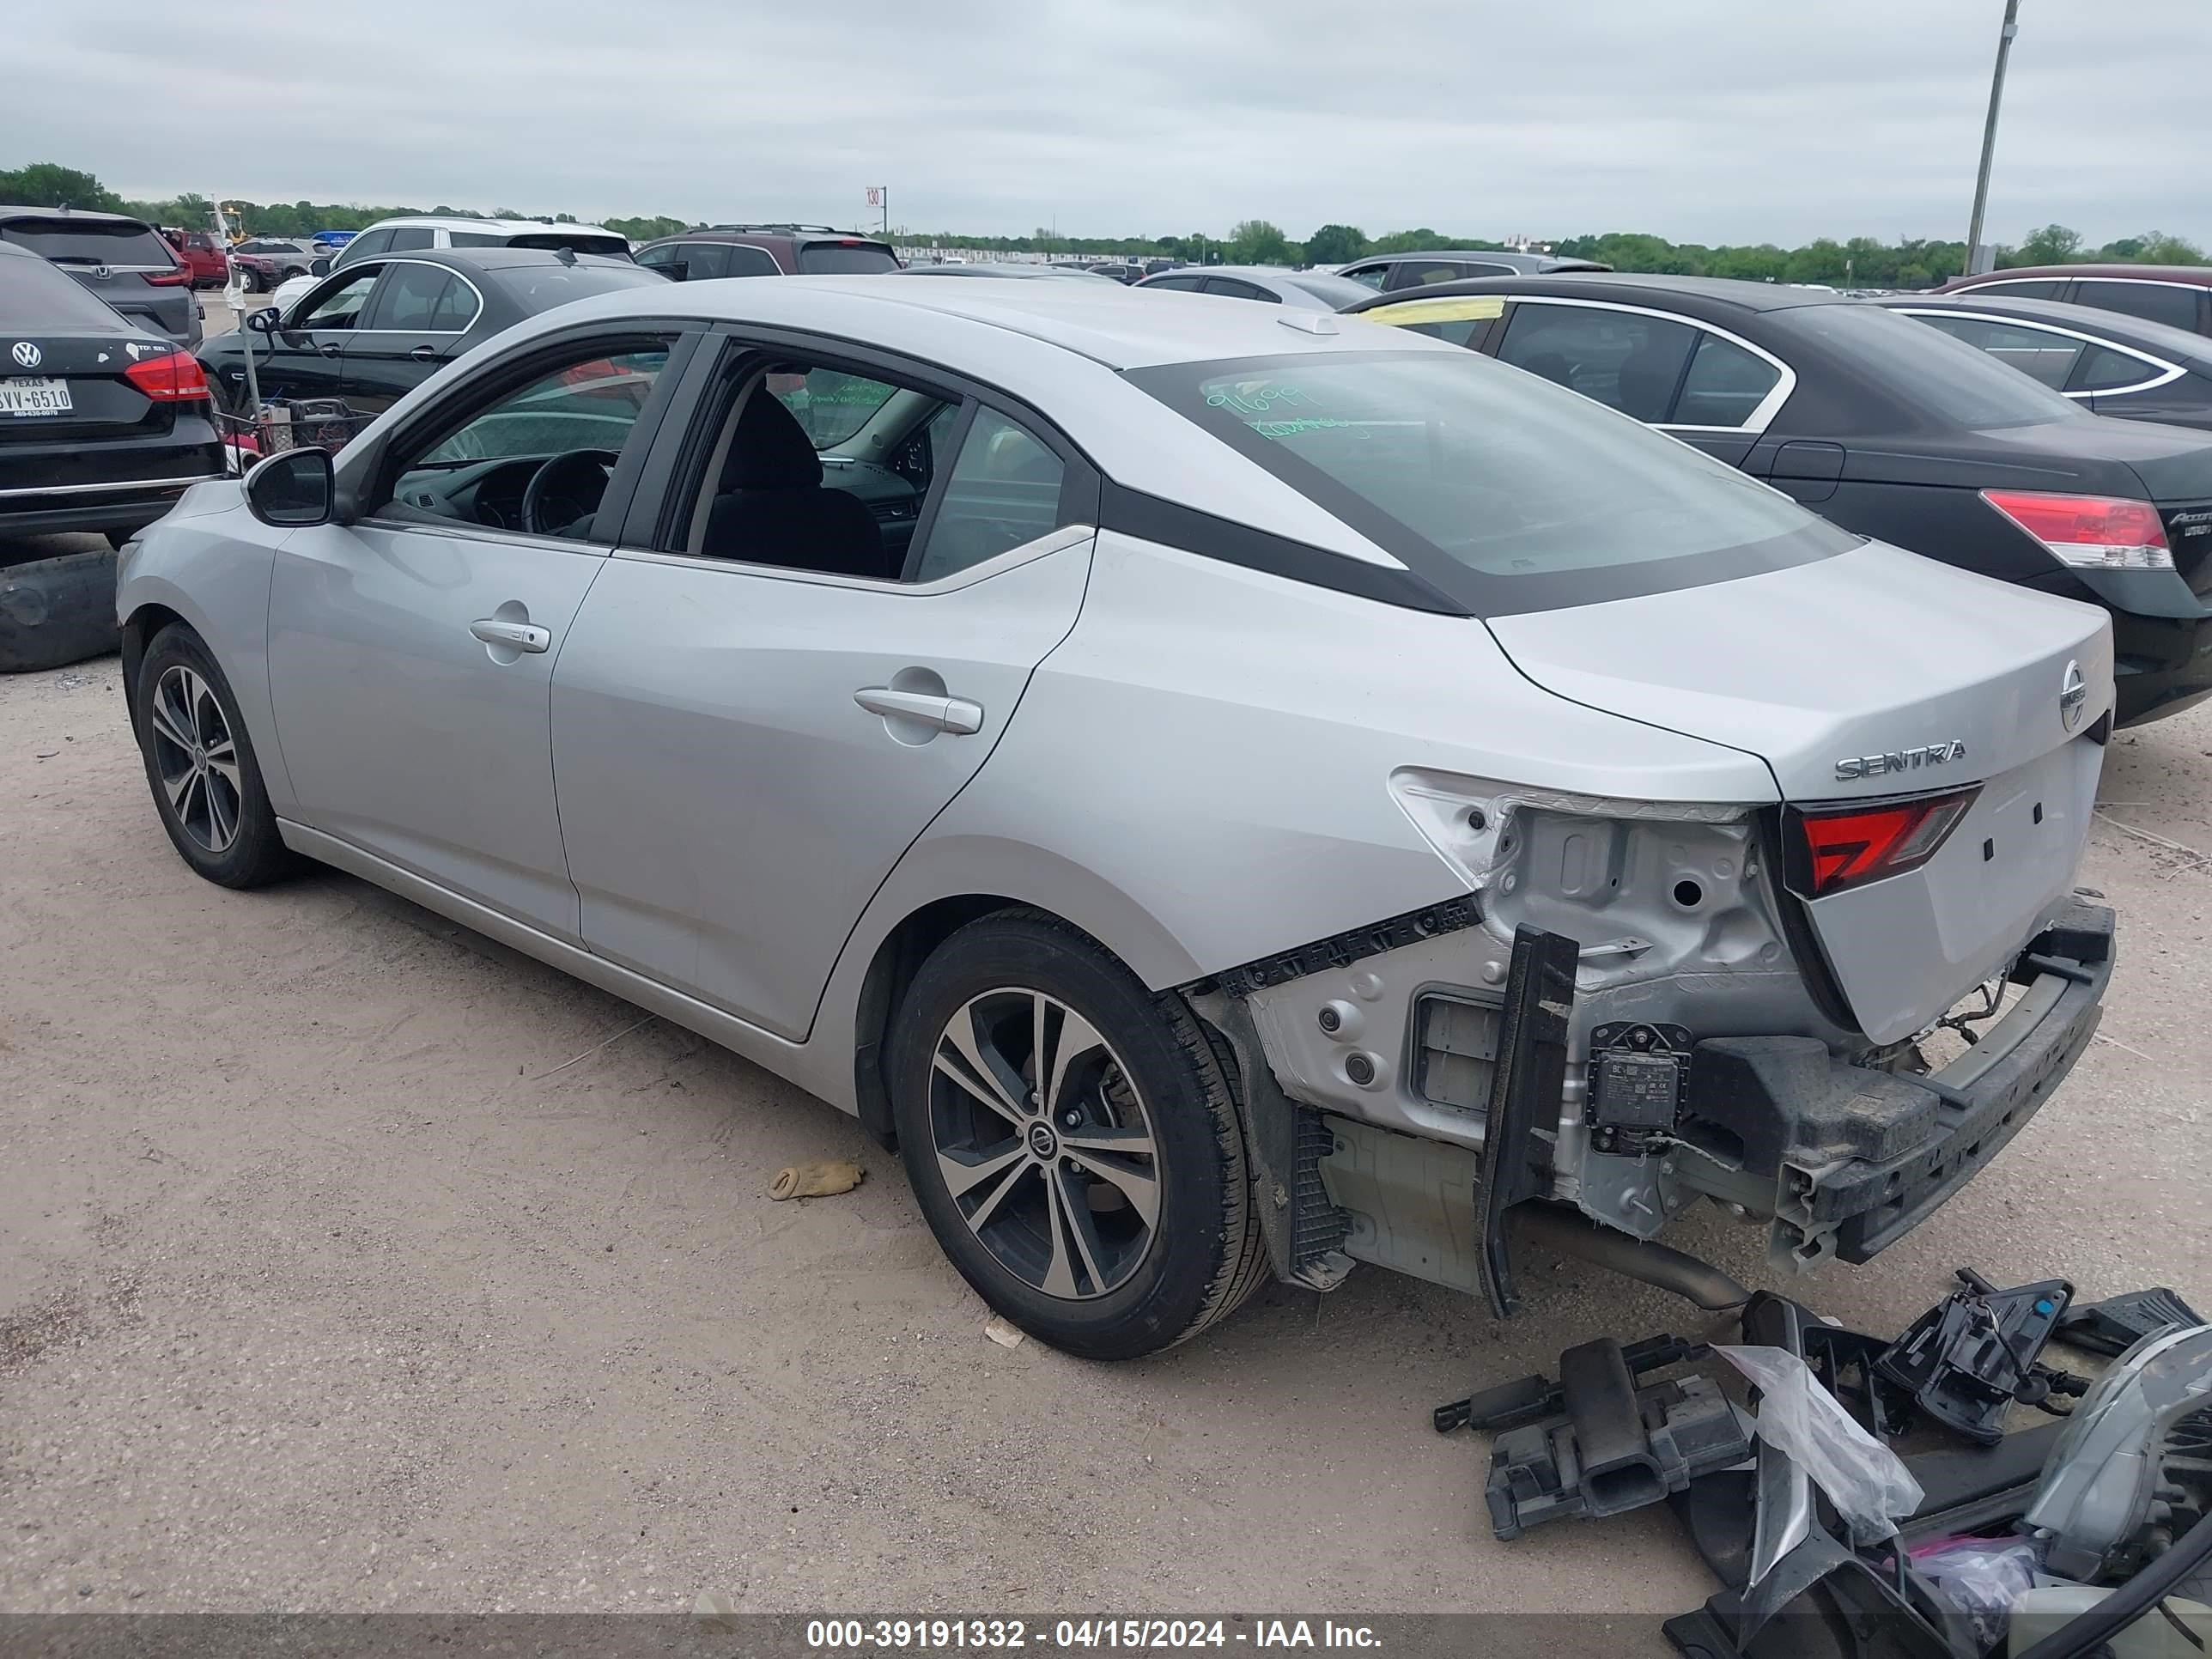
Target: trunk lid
{"x":1924,"y":678}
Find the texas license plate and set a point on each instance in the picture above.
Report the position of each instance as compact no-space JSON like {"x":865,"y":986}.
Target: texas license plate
{"x":35,"y":398}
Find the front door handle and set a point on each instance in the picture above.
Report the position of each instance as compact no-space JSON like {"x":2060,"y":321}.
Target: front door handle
{"x":516,"y":635}
{"x":954,"y":714}
{"x":330,"y":347}
{"x":423,"y":354}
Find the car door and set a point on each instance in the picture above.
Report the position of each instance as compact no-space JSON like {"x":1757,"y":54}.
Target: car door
{"x":793,"y":732}
{"x":410,"y":650}
{"x":306,"y":357}
{"x":416,"y":322}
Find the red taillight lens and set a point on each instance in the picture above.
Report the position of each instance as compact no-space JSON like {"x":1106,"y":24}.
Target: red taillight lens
{"x":176,"y":278}
{"x":175,"y":379}
{"x":2091,"y":533}
{"x":1832,"y":848}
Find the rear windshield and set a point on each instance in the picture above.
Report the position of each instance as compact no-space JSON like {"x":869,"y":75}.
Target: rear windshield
{"x":90,"y":241}
{"x":1956,"y":383}
{"x":1508,"y":493}
{"x":540,"y":288}
{"x":1337,"y":291}
{"x":37,"y":299}
{"x":845,"y":258}
{"x":614,"y":248}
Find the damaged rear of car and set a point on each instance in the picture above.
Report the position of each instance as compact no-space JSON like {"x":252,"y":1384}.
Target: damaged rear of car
{"x":1867,"y":785}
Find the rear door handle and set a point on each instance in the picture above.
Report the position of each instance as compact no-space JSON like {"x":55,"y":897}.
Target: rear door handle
{"x":954,"y":714}
{"x":423,"y":354}
{"x":520,"y":636}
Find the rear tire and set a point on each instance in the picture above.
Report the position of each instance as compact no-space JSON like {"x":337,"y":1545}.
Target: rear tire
{"x":201,"y":768}
{"x":1105,"y":1207}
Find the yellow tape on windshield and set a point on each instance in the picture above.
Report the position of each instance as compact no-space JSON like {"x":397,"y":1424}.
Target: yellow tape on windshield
{"x":1465,"y":308}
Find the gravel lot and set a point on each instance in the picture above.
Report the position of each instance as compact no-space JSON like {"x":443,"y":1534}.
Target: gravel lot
{"x":328,"y":1282}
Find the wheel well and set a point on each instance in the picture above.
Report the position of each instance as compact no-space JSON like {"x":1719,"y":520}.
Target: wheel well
{"x":138,"y":633}
{"x":897,"y":961}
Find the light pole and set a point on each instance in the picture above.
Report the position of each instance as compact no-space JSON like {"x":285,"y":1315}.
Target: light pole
{"x":1990,"y":135}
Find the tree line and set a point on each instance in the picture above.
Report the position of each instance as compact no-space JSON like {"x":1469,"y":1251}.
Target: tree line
{"x":1858,"y":261}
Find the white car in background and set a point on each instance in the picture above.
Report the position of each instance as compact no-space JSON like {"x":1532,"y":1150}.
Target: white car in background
{"x":415,"y":232}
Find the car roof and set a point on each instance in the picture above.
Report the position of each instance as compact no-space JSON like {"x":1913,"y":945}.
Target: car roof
{"x":505,"y":226}
{"x":1701,"y":293}
{"x":1527,"y":262}
{"x":70,"y":213}
{"x":2201,"y":275}
{"x":488,"y":259}
{"x":1112,"y":325}
{"x":2116,"y":325}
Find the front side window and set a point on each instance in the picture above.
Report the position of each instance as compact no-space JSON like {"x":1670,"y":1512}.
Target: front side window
{"x":341,"y":305}
{"x":705,"y":261}
{"x":1725,"y":385}
{"x":537,"y":458}
{"x":2173,"y":304}
{"x":1505,"y":493}
{"x":361,"y":247}
{"x":420,"y":299}
{"x":1626,"y":362}
{"x":1419,"y":273}
{"x":2036,"y":352}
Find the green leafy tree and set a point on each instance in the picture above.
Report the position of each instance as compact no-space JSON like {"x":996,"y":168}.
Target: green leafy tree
{"x":48,"y":184}
{"x":1256,"y":242}
{"x":1336,"y":245}
{"x":1412,"y":241}
{"x":2050,"y":245}
{"x":2160,"y":249}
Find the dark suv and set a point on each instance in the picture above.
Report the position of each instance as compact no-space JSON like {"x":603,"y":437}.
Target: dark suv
{"x":714,"y":251}
{"x":2180,"y":296}
{"x":123,"y":260}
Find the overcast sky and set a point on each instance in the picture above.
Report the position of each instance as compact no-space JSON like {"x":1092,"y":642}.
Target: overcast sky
{"x":1700,"y":120}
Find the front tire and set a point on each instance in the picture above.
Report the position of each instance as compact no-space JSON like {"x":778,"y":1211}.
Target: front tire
{"x":201,"y":767}
{"x":1072,"y":1139}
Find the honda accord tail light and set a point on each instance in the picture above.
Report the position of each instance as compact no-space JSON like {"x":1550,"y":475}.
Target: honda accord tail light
{"x":2091,"y":533}
{"x":175,"y":378}
{"x":1830,"y":848}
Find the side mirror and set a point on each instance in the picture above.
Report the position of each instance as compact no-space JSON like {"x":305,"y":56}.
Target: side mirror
{"x":318,"y":267}
{"x":265,"y":319}
{"x":292,"y":490}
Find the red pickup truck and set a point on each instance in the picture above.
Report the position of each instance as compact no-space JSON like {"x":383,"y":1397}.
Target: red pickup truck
{"x":201,"y":255}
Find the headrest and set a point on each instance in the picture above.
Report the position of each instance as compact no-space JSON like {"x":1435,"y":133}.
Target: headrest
{"x":770,"y":449}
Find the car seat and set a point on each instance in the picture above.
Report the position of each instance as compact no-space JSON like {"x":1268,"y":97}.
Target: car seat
{"x":772,"y":509}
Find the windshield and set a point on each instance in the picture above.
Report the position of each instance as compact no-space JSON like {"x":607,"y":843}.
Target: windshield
{"x":91,"y":241}
{"x":845,"y":260}
{"x":614,"y":248}
{"x":1509,"y":493}
{"x":1956,"y":383}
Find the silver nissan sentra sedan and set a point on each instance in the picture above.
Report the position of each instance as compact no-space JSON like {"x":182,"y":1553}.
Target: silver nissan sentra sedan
{"x":1224,"y":791}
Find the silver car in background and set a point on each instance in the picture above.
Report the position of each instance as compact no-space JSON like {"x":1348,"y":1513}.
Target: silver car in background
{"x":1223,"y":790}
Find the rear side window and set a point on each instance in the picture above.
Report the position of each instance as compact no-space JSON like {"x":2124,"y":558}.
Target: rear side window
{"x":1942,"y":380}
{"x":2173,"y":304}
{"x":540,"y":288}
{"x":746,"y":260}
{"x":845,"y":258}
{"x":2036,"y":352}
{"x":1625,"y":361}
{"x":1187,"y":284}
{"x":91,"y":241}
{"x":2103,"y":369}
{"x":35,"y":297}
{"x":1725,"y":385}
{"x":1235,"y":290}
{"x":410,"y":237}
{"x":475,"y":238}
{"x":1003,"y":491}
{"x":1508,"y":494}
{"x":1417,"y":273}
{"x":2028,"y":288}
{"x":704,"y":261}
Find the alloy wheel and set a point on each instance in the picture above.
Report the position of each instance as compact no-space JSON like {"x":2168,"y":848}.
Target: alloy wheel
{"x":197,"y":758}
{"x":1044,"y":1143}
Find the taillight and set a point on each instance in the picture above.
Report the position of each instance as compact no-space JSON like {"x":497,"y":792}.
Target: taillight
{"x":1830,"y":848}
{"x":2091,"y":533}
{"x":177,"y":378}
{"x":176,"y":278}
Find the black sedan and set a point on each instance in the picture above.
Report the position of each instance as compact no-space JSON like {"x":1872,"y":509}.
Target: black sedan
{"x":1888,"y":428}
{"x":2103,"y":361}
{"x":104,"y":422}
{"x":370,"y":333}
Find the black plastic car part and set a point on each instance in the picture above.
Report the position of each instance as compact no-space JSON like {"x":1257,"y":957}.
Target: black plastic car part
{"x":2118,"y":1323}
{"x":1508,"y":1405}
{"x":1971,"y":1355}
{"x":1524,"y":1097}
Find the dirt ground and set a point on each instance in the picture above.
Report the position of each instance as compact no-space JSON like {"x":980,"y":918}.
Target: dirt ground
{"x":350,"y":1261}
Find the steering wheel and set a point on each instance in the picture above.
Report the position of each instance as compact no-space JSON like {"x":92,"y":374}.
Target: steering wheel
{"x":566,"y":491}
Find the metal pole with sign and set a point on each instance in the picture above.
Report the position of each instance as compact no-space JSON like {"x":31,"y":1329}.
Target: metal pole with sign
{"x":1989,"y":137}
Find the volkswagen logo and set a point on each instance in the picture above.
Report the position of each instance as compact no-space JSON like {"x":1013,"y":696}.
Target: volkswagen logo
{"x":27,"y":354}
{"x":2072,"y":696}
